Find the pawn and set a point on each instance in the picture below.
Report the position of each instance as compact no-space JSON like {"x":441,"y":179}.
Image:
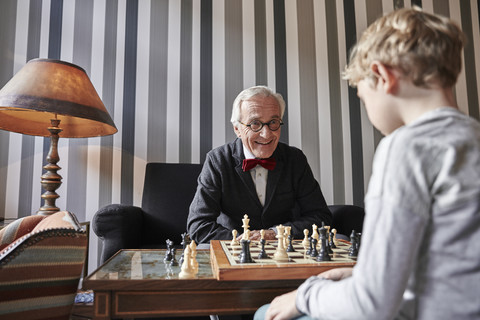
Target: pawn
{"x":315,"y":232}
{"x":333,"y":234}
{"x":234,"y":238}
{"x":305,"y":241}
{"x":263,"y":254}
{"x":314,"y":252}
{"x":290,"y":247}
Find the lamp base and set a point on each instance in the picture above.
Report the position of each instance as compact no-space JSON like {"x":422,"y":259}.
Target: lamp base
{"x":51,"y":180}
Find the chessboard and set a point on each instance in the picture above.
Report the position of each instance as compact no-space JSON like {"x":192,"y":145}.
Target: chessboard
{"x":226,"y":264}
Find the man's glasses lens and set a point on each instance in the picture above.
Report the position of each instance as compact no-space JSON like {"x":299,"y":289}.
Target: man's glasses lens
{"x":258,"y":125}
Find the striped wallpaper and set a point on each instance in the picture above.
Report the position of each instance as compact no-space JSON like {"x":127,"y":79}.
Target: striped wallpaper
{"x":168,"y":72}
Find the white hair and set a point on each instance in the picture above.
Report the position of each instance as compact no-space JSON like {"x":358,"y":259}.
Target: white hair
{"x":251,"y":92}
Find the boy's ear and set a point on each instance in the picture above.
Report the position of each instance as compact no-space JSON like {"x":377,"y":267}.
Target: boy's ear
{"x":386,"y":76}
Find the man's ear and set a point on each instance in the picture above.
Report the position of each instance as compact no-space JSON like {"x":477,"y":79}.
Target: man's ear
{"x":237,"y":131}
{"x":386,"y":76}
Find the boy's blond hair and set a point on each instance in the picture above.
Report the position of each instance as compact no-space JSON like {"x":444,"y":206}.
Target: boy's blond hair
{"x":426,"y":48}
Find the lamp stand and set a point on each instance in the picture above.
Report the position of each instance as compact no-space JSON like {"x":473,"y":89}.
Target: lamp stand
{"x":51,"y":180}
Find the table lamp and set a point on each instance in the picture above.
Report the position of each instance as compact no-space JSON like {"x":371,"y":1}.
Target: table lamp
{"x":53,"y":98}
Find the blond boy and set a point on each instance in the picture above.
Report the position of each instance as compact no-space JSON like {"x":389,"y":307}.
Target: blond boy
{"x":420,"y":254}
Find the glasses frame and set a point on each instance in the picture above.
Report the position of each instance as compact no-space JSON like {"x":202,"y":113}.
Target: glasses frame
{"x":263,"y":124}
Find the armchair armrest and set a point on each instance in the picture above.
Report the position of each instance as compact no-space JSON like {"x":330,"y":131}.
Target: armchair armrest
{"x":119,"y":226}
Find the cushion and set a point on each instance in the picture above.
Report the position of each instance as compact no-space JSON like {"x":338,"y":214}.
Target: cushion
{"x":17,"y":229}
{"x":58,"y":220}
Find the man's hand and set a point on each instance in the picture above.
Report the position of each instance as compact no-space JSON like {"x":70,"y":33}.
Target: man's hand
{"x":337,"y":274}
{"x":283,"y":307}
{"x":255,"y":235}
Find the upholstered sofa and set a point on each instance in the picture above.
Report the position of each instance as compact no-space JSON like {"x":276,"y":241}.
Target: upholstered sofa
{"x":41,"y":261}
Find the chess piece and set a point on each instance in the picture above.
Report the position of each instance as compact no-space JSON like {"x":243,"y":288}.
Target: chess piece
{"x":327,"y":240}
{"x":353,"y":250}
{"x":333,"y":234}
{"x":305,"y":241}
{"x":186,"y":272}
{"x":288,"y":230}
{"x":280,"y":254}
{"x":290,"y":247}
{"x":234,"y":238}
{"x":168,"y":252}
{"x":314,"y":251}
{"x":315,"y":232}
{"x":245,"y":227}
{"x":193,"y":257}
{"x":245,"y":256}
{"x":173,"y":261}
{"x":323,"y":254}
{"x":263,"y":254}
{"x":185,"y":242}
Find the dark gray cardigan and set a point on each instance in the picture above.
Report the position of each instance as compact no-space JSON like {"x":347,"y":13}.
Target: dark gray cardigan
{"x":225,"y":194}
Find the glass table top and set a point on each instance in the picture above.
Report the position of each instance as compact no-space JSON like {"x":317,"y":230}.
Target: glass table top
{"x":148,"y":264}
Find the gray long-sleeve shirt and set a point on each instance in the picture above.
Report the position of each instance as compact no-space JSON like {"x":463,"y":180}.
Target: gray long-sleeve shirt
{"x":420,"y":252}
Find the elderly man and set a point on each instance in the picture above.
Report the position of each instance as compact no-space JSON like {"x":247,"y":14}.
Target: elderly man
{"x":256,"y":175}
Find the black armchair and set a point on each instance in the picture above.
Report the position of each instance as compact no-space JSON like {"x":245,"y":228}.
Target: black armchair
{"x":168,"y":191}
{"x":347,"y":218}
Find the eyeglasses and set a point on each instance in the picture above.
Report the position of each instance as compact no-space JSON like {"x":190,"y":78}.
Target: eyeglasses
{"x":257,"y":125}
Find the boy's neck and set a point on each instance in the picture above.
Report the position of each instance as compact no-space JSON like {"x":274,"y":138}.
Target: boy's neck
{"x":418,"y":101}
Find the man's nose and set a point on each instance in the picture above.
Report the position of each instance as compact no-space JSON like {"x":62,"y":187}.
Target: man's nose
{"x":265,"y":131}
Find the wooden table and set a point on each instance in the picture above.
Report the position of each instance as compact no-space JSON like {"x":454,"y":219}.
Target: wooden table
{"x":138,"y":283}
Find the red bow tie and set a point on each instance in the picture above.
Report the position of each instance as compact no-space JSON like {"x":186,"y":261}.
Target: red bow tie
{"x":252,"y":163}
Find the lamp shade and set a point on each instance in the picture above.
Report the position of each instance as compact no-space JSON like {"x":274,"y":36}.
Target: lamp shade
{"x":44,"y":89}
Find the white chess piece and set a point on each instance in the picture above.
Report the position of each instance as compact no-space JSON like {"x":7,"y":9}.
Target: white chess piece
{"x":245,"y":226}
{"x":186,"y":272}
{"x":193,"y":257}
{"x":335,"y":236}
{"x":234,"y":238}
{"x":287,"y":233}
{"x":281,"y":253}
{"x":305,"y":241}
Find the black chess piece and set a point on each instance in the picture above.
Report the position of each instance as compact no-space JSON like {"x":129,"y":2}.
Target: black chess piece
{"x":327,"y":243}
{"x":173,"y":262}
{"x":353,"y":250}
{"x":245,"y":256}
{"x":262,"y":254}
{"x":290,"y":247}
{"x":359,"y":238}
{"x":323,"y":254}
{"x":168,"y":252}
{"x":314,"y":252}
{"x":309,"y":251}
{"x":332,"y":242}
{"x":185,"y":242}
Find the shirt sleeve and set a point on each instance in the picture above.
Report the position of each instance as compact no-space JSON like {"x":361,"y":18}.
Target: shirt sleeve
{"x":397,"y":206}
